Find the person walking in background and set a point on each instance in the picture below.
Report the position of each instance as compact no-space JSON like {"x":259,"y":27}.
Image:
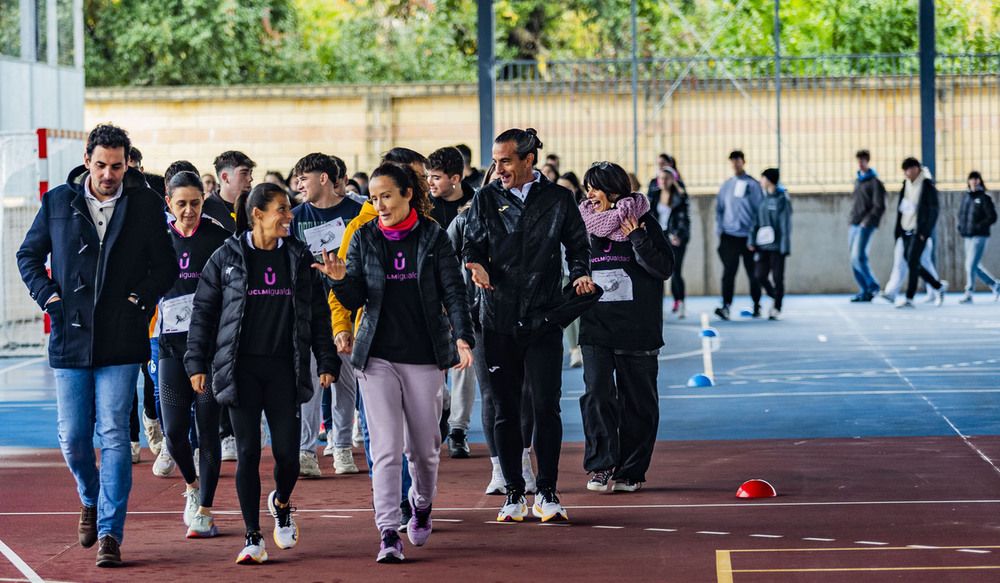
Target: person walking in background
{"x":235,"y":172}
{"x":735,"y":209}
{"x":259,"y":309}
{"x":916,"y":217}
{"x":570,"y":181}
{"x":669,"y":204}
{"x":771,"y":239}
{"x":867,"y":207}
{"x":975,"y":218}
{"x":104,"y":235}
{"x":630,"y":259}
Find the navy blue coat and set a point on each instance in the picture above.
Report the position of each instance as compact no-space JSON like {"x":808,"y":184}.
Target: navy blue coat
{"x":95,"y":324}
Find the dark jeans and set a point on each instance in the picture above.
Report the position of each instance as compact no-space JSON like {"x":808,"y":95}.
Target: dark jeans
{"x":677,"y":280}
{"x":265,"y":384}
{"x":913,"y":248}
{"x":176,"y":397}
{"x":621,"y":411}
{"x":488,"y":409}
{"x":731,"y":249}
{"x":511,"y":365}
{"x":771,"y":264}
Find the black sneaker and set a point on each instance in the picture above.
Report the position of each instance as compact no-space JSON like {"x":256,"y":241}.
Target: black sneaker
{"x":458,"y":444}
{"x":407,"y":515}
{"x":599,"y":482}
{"x":722,"y":312}
{"x":756,"y":311}
{"x":443,"y":424}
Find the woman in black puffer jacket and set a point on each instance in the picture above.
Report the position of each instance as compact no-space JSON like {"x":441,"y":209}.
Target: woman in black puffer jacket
{"x":975,"y":217}
{"x":671,"y":209}
{"x":258,"y":310}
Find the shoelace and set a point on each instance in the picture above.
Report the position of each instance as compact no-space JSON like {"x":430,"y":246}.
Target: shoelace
{"x":514,"y":497}
{"x":602,"y":476}
{"x":390,"y":538}
{"x":254,"y":538}
{"x":285,"y":516}
{"x":549,"y":496}
{"x":423,"y":515}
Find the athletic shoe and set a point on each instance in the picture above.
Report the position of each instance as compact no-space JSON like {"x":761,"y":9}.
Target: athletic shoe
{"x":862,"y":297}
{"x":514,"y":509}
{"x":625,"y":485}
{"x":87,"y":528}
{"x":939,"y":293}
{"x":202,"y":527}
{"x":756,"y":311}
{"x":599,"y":481}
{"x":458,"y":444}
{"x":673,"y":310}
{"x":286,"y":532}
{"x":357,"y":437}
{"x":196,"y":457}
{"x":419,"y":528}
{"x":109,"y":553}
{"x":547,"y":506}
{"x":576,"y":357}
{"x":774,"y":314}
{"x":681,"y":310}
{"x":254,"y":551}
{"x":722,"y":312}
{"x":528,"y":474}
{"x":263,"y":432}
{"x":229,"y":449}
{"x":889,"y":299}
{"x":191,"y":506}
{"x":329,"y":449}
{"x":164,"y":464}
{"x":322,"y":436}
{"x":136,"y":450}
{"x":906,"y":304}
{"x":309,"y":465}
{"x":391,"y":550}
{"x":966,"y":299}
{"x":343,"y":461}
{"x":407,"y":514}
{"x":154,"y":435}
{"x":497,"y":484}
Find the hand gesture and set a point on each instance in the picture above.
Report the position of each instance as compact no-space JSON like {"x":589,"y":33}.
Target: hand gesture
{"x":332,"y":266}
{"x":479,"y":275}
{"x":464,"y":355}
{"x":630,"y":224}
{"x":584,"y":285}
{"x":344,"y":341}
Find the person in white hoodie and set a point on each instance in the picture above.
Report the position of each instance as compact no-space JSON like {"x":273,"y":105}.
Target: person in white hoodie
{"x":916,"y":216}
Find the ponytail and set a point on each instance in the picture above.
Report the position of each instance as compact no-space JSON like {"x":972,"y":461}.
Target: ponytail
{"x":259,"y":197}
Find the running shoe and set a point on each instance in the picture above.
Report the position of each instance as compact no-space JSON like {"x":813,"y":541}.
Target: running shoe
{"x":774,"y":314}
{"x":191,"y":506}
{"x":203,"y":527}
{"x":357,"y":437}
{"x":906,"y":304}
{"x":939,"y":293}
{"x":229,"y":449}
{"x":286,"y":532}
{"x":420,"y":525}
{"x":722,"y":312}
{"x":154,"y":435}
{"x":625,"y":485}
{"x":887,"y":298}
{"x":391,"y":550}
{"x":547,"y":506}
{"x":329,"y":449}
{"x":458,"y":444}
{"x":673,"y":310}
{"x":599,"y":481}
{"x":322,"y":436}
{"x":407,"y":514}
{"x":164,"y":464}
{"x":309,"y":465}
{"x":966,"y":299}
{"x":528,"y":474}
{"x":681,"y":310}
{"x":514,"y":509}
{"x":497,"y":485}
{"x":343,"y":461}
{"x":756,"y":311}
{"x":136,"y":451}
{"x":254,"y":551}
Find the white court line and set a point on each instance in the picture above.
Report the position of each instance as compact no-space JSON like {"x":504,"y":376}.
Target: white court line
{"x":21,"y":565}
{"x":662,"y":529}
{"x":336,"y":516}
{"x":28,"y":362}
{"x":868,"y":542}
{"x":977,"y":551}
{"x":610,"y":527}
{"x":924,"y":547}
{"x":768,"y":535}
{"x":821,"y":540}
{"x":712,"y":532}
{"x":823,"y":393}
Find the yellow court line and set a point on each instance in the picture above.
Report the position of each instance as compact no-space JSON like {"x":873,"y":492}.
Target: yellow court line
{"x":822,"y":550}
{"x":723,"y":567}
{"x":851,"y":569}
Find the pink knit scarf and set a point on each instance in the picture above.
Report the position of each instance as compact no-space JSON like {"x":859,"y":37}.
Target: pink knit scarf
{"x":608,"y":224}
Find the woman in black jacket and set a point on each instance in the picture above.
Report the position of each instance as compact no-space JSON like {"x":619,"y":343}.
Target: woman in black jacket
{"x":975,"y":218}
{"x":671,"y":209}
{"x":258,"y":309}
{"x":404,"y":271}
{"x":630,"y":259}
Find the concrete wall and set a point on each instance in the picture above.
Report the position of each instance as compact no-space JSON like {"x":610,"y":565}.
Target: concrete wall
{"x":37,"y":95}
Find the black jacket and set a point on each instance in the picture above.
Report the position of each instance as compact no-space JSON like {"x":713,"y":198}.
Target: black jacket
{"x":868,"y":201}
{"x":927,"y":209}
{"x":679,"y":221}
{"x":214,"y":336}
{"x":95,"y":324}
{"x":976,"y":214}
{"x":444,"y":212}
{"x":518,"y":245}
{"x":442,"y":291}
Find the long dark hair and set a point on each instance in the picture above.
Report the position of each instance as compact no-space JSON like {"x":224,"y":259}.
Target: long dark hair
{"x":403,"y":176}
{"x":258,"y":198}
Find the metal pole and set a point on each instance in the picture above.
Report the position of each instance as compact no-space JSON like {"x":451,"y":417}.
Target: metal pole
{"x":487,"y":79}
{"x":928,"y":52}
{"x":635,"y":94}
{"x":777,"y":70}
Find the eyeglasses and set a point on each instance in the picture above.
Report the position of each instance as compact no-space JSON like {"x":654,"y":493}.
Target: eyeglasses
{"x":601,"y":165}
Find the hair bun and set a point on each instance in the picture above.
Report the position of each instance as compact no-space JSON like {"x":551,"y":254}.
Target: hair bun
{"x":534,"y":135}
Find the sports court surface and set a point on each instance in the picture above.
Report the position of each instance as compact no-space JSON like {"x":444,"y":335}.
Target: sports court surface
{"x":877,"y":426}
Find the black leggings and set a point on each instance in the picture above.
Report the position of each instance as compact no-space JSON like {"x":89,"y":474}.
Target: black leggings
{"x":489,"y":411}
{"x":771,"y":264}
{"x":677,"y":280}
{"x":176,"y":396}
{"x":267,"y":384}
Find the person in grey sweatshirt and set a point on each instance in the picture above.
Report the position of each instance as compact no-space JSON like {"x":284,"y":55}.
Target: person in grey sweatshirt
{"x":771,"y":239}
{"x":735,"y":210}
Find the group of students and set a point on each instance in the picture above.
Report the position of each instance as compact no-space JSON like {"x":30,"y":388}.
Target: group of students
{"x":261,"y":306}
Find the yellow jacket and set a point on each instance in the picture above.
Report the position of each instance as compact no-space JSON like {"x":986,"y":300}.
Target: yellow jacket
{"x":341,"y":316}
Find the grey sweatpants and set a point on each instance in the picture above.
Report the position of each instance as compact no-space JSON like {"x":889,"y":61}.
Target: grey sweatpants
{"x":344,"y":394}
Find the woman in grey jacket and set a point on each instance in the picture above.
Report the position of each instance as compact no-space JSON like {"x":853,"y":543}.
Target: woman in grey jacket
{"x":771,"y":239}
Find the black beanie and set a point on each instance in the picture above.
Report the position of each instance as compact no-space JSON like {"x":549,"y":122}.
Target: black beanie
{"x":772,"y":175}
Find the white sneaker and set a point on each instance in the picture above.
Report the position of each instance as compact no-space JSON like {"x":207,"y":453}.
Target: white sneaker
{"x":681,"y":310}
{"x":253,"y":552}
{"x":497,"y":484}
{"x":343,"y":461}
{"x":357,"y":436}
{"x":196,"y":457}
{"x":966,"y":299}
{"x":906,"y":304}
{"x":939,"y":293}
{"x":164,"y":464}
{"x":514,"y":509}
{"x":328,"y":450}
{"x":286,"y":532}
{"x":309,"y":465}
{"x":191,"y":506}
{"x":774,"y":314}
{"x":154,"y":435}
{"x":547,"y":507}
{"x":528,"y":474}
{"x":576,"y":357}
{"x":136,"y":451}
{"x":263,"y":432}
{"x":202,"y":526}
{"x":229,"y":449}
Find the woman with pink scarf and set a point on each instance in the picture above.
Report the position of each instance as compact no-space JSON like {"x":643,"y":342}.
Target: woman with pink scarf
{"x":621,"y":337}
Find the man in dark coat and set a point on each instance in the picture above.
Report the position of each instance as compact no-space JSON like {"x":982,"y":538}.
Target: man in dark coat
{"x":105,"y":235}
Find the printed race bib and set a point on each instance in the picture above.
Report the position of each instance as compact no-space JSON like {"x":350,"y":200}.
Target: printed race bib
{"x":326,"y":236}
{"x":740,"y":189}
{"x":617,"y":285}
{"x":765,"y":235}
{"x":175,"y":314}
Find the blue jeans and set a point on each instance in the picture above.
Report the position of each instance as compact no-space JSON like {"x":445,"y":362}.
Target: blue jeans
{"x":859,"y":239}
{"x":974,"y":247}
{"x":98,"y":398}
